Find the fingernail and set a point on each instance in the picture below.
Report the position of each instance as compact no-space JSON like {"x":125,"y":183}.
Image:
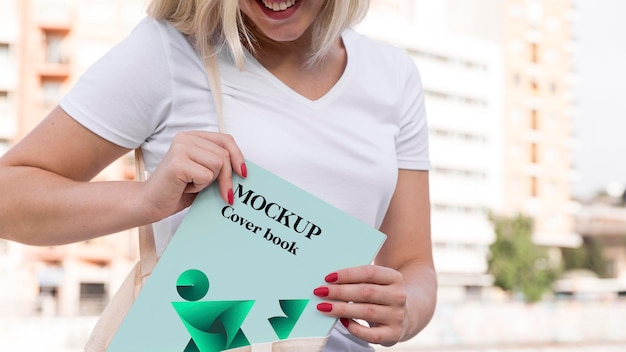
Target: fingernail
{"x":244,"y":170}
{"x":344,"y":321}
{"x":325,"y":307}
{"x":231,"y":197}
{"x":331,"y":277}
{"x":321,"y":291}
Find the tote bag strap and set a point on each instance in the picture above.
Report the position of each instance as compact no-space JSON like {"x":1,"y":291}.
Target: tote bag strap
{"x":213,"y":74}
{"x":113,"y":315}
{"x":147,"y":247}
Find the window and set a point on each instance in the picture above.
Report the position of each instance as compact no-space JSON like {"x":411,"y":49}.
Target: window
{"x":534,"y":119}
{"x":534,"y":86}
{"x":47,"y":301}
{"x":4,"y":146}
{"x":4,"y":54}
{"x":534,"y":52}
{"x":533,"y":153}
{"x":93,"y":298}
{"x":54,"y":48}
{"x":51,"y":91}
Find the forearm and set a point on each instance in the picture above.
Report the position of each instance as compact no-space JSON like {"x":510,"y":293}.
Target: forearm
{"x":38,"y":207}
{"x":420,"y":281}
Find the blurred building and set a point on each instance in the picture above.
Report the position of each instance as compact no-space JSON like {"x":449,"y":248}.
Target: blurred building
{"x":9,"y":38}
{"x":540,"y":106}
{"x":499,"y":80}
{"x":602,"y":222}
{"x":45,"y":45}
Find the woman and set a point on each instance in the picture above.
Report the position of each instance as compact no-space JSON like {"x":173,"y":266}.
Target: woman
{"x":304,"y":96}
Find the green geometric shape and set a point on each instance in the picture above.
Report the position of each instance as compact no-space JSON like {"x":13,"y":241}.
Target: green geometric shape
{"x":192,"y":285}
{"x":214,"y":325}
{"x":191,"y":347}
{"x":292,"y":308}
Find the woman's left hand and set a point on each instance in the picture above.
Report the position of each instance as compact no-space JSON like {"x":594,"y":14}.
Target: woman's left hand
{"x":396,"y":296}
{"x":371,"y":293}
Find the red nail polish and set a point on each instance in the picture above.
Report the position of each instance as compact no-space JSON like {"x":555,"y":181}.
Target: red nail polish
{"x":321,"y":291}
{"x":325,"y":307}
{"x":331,"y":277}
{"x":344,"y":321}
{"x":244,"y":170}
{"x":231,"y":197}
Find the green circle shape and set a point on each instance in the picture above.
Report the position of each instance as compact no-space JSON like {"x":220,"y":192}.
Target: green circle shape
{"x":192,"y":285}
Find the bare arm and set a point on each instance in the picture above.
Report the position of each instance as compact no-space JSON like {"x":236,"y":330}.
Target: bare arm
{"x":397,"y":295}
{"x":47,"y":198}
{"x":408,"y":248}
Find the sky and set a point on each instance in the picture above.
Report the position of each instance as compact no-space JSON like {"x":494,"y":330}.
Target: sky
{"x":601,"y":127}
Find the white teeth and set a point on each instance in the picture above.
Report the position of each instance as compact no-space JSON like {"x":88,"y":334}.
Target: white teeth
{"x":279,"y":6}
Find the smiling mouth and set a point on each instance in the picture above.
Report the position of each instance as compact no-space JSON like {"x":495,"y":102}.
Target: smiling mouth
{"x":278,"y":6}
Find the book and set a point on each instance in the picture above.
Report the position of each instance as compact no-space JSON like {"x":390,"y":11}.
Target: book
{"x":240,"y":276}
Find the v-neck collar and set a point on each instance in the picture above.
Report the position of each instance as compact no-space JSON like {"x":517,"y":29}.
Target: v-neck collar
{"x":254,"y":65}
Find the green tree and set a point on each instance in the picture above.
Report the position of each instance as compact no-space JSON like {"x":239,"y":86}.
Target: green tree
{"x":516,"y":263}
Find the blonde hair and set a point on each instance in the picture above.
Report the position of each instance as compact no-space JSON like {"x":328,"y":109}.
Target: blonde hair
{"x":212,"y":25}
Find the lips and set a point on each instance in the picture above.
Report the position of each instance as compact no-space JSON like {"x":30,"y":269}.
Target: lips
{"x":278,"y":6}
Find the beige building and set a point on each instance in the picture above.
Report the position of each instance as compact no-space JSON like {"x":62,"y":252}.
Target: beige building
{"x":45,"y":45}
{"x":505,"y":146}
{"x":605,"y":224}
{"x":537,"y":39}
{"x":540,"y":48}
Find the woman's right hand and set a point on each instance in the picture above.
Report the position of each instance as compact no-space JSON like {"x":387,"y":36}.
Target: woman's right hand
{"x":194,"y":161}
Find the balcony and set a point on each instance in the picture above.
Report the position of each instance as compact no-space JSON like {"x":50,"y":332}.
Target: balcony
{"x":56,"y":62}
{"x":52,"y":12}
{"x":49,"y":70}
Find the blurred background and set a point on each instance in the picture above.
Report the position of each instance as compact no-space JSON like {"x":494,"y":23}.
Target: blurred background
{"x":528,"y":205}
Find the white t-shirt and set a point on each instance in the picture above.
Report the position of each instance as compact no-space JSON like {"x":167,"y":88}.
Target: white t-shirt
{"x":346,"y":147}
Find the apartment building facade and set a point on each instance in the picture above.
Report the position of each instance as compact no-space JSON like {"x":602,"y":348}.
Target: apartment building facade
{"x":540,"y":107}
{"x":510,"y":106}
{"x":9,"y":39}
{"x":45,"y":45}
{"x":462,"y":84}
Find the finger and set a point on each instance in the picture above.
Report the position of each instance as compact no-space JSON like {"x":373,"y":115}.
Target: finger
{"x":382,"y":334}
{"x":377,"y":313}
{"x":384,"y":323}
{"x":211,"y":166}
{"x":231,"y":160}
{"x":212,"y":150}
{"x":204,"y":166}
{"x":365,"y":274}
{"x":198,"y":177}
{"x":227,"y":142}
{"x":366,"y":293}
{"x":225,"y":180}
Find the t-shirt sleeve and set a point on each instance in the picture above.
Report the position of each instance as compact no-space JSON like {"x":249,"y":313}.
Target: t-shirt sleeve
{"x":412,"y":139}
{"x":126,"y":93}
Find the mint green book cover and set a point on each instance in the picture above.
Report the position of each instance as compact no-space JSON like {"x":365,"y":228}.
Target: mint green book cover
{"x":234,"y":277}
